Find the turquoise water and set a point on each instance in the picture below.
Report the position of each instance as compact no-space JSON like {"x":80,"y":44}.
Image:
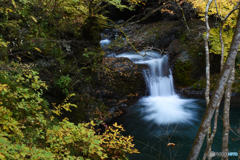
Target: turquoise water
{"x":148,"y":120}
{"x":164,"y":117}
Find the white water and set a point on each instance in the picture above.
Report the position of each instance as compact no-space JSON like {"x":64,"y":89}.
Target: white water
{"x":162,"y":106}
{"x":104,"y":42}
{"x":159,"y":79}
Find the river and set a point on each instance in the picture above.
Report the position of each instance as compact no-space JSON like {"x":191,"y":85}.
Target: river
{"x":165,"y":117}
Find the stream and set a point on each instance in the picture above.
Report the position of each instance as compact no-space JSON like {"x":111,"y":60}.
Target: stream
{"x":165,"y":117}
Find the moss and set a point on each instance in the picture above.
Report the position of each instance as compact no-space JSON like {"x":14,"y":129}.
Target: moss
{"x":182,"y":37}
{"x":156,"y":30}
{"x":189,"y":66}
{"x":201,"y":84}
{"x":182,"y":73}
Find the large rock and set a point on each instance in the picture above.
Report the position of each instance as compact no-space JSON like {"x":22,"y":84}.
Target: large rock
{"x":159,"y":35}
{"x":122,"y":83}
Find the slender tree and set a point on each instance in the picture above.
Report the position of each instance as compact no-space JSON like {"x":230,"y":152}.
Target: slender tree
{"x":226,"y":122}
{"x":219,"y":89}
{"x":207,"y":72}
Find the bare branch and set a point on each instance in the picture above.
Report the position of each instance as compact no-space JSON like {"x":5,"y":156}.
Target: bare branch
{"x":226,"y":17}
{"x":101,"y":8}
{"x":148,"y":15}
{"x":126,"y":37}
{"x":235,"y":8}
{"x":184,"y":17}
{"x":236,"y":134}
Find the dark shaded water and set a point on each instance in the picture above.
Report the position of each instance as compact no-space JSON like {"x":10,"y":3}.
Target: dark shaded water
{"x":151,"y":137}
{"x":164,"y":117}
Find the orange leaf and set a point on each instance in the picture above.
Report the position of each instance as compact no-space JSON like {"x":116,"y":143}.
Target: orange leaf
{"x":171,"y":144}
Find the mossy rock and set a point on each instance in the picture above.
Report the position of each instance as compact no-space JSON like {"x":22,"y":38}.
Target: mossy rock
{"x":189,"y":67}
{"x":158,"y":34}
{"x":123,"y":78}
{"x":201,"y":84}
{"x":182,"y":73}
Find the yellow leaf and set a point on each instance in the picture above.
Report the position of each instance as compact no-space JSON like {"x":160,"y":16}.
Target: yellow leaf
{"x":38,"y":49}
{"x":19,"y":58}
{"x":65,"y":119}
{"x":52,"y":118}
{"x":2,"y":156}
{"x":9,"y":10}
{"x":14,"y":4}
{"x":34,"y":19}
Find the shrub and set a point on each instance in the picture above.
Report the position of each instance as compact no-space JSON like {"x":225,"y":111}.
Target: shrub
{"x":28,"y":129}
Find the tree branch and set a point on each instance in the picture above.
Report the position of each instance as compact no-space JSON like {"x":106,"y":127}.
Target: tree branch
{"x":222,"y":45}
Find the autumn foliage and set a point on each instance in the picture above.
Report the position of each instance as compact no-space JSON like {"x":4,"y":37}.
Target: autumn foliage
{"x":219,"y":13}
{"x":30,"y":130}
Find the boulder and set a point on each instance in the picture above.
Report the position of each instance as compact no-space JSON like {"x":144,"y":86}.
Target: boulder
{"x":122,"y":83}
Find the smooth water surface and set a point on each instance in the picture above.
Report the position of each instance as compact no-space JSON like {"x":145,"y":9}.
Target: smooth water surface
{"x":153,"y":128}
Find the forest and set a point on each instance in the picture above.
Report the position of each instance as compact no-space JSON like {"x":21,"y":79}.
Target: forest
{"x":73,"y":71}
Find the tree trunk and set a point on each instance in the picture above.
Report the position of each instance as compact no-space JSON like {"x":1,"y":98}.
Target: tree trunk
{"x":217,"y":94}
{"x":210,"y":140}
{"x":226,"y":123}
{"x":207,"y":91}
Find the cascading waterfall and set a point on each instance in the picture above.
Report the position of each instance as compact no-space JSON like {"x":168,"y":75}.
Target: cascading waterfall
{"x":159,"y":79}
{"x":162,"y":105}
{"x":174,"y":115}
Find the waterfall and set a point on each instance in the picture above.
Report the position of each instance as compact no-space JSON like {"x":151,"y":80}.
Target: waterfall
{"x":159,"y":78}
{"x":162,"y":105}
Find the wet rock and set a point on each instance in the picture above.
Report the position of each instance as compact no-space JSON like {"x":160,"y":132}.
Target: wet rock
{"x":176,"y":47}
{"x":110,"y":55}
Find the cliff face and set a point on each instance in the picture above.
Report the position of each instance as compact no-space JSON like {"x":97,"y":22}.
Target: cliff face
{"x":184,"y":46}
{"x":172,"y":38}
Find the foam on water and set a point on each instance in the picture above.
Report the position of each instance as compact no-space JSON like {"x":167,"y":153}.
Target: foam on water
{"x":168,"y":110}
